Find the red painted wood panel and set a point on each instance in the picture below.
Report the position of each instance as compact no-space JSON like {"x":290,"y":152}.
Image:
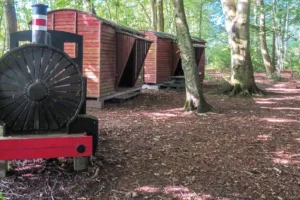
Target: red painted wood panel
{"x":150,"y":61}
{"x":107,"y":60}
{"x":164,"y":59}
{"x":44,"y":147}
{"x":88,"y":26}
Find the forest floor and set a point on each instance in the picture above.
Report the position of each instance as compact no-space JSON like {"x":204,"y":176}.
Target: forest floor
{"x":248,"y":148}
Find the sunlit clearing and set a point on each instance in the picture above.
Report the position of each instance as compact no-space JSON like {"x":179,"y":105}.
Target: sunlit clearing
{"x":264,"y":137}
{"x":278,"y":120}
{"x":281,"y":108}
{"x":283,"y":157}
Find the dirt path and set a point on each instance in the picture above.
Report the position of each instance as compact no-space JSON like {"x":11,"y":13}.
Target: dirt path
{"x":150,"y":149}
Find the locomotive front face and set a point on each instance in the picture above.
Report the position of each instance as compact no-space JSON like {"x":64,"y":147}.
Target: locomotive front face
{"x":42,"y":98}
{"x":41,"y":88}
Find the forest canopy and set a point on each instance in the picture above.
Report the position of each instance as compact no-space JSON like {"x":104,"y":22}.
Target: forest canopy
{"x":205,"y":19}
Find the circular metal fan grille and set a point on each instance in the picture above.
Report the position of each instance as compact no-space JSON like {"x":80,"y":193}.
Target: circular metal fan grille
{"x":41,"y":88}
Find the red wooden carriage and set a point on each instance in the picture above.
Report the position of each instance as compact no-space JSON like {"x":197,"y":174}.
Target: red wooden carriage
{"x":163,"y":60}
{"x":113,"y":55}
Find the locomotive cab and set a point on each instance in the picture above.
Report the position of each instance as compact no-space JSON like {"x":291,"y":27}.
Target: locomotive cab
{"x":43,"y":98}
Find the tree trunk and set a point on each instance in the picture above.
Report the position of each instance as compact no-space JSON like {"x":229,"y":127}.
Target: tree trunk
{"x":146,"y":13}
{"x":237,"y":20}
{"x":299,"y":43}
{"x":274,"y":46}
{"x":285,"y":37}
{"x":194,"y":92}
{"x":11,"y":19}
{"x":169,"y":15}
{"x":160,"y":16}
{"x":108,"y":8}
{"x":154,"y":15}
{"x":263,"y":42}
{"x":256,"y":30}
{"x":201,"y":17}
{"x":90,"y":6}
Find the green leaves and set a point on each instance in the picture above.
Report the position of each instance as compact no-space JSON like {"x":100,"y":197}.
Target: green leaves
{"x":1,"y":196}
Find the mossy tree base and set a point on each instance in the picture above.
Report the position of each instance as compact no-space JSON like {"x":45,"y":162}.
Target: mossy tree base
{"x":238,"y":91}
{"x":199,"y":105}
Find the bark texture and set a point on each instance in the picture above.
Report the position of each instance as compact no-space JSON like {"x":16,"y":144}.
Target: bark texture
{"x":146,"y":14}
{"x":11,"y":19}
{"x":194,"y":92}
{"x":274,"y":33}
{"x":201,"y":18}
{"x":237,"y":21}
{"x":154,"y":15}
{"x":263,"y":42}
{"x":160,"y":16}
{"x":90,"y":6}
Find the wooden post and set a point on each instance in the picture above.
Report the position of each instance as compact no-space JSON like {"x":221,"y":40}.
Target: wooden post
{"x":3,"y":163}
{"x":80,"y":163}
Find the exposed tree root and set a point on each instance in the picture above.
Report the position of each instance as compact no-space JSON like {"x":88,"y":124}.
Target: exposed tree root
{"x":204,"y":108}
{"x":189,"y":106}
{"x":237,"y":91}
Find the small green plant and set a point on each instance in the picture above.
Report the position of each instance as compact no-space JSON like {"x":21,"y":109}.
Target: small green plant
{"x":275,"y":76}
{"x":1,"y":196}
{"x":208,"y":77}
{"x":296,"y":74}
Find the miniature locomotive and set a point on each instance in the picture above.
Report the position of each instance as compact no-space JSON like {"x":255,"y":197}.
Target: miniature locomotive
{"x":42,"y":98}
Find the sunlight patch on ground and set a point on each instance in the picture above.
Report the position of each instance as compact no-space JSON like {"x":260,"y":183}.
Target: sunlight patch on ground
{"x":264,"y":137}
{"x":280,"y":108}
{"x":180,"y":193}
{"x":283,"y":90}
{"x":27,"y":168}
{"x":166,"y":114}
{"x":283,"y":157}
{"x":148,"y":189}
{"x":278,"y":120}
{"x":274,"y":99}
{"x":264,"y":102}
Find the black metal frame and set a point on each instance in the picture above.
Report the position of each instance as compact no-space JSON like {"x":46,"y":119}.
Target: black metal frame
{"x":80,"y":123}
{"x":55,"y":38}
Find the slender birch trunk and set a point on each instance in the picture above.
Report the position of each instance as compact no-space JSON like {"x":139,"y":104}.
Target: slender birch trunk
{"x":160,"y":16}
{"x":154,"y":15}
{"x":263,"y":41}
{"x":201,"y":18}
{"x":194,"y":93}
{"x":274,"y":33}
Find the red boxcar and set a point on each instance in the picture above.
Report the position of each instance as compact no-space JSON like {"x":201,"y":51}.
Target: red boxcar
{"x":163,"y":60}
{"x":113,"y":55}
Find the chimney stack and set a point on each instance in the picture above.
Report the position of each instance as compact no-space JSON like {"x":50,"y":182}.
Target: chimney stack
{"x":39,"y":23}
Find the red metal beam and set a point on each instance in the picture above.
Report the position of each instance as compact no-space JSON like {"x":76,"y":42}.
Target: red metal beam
{"x":44,"y":147}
